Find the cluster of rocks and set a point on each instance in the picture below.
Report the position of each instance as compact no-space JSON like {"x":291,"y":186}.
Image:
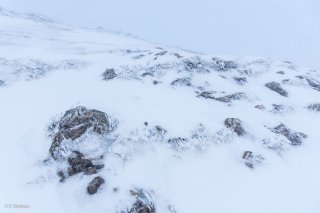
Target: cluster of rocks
{"x":75,"y":123}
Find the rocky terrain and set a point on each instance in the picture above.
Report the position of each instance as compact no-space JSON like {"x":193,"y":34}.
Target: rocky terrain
{"x":104,"y":122}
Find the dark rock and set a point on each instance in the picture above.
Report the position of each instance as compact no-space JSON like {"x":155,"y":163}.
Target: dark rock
{"x":109,"y":74}
{"x":178,"y":144}
{"x":223,"y":65}
{"x":146,"y":123}
{"x":161,"y":53}
{"x":79,"y":163}
{"x":261,"y":107}
{"x":2,"y":83}
{"x":313,"y":83}
{"x":236,"y":125}
{"x":280,"y":72}
{"x":276,"y":87}
{"x":156,"y":82}
{"x":251,"y":160}
{"x":77,"y":121}
{"x":94,"y":185}
{"x":138,"y":56}
{"x":294,"y":137}
{"x":143,"y":203}
{"x":178,"y":55}
{"x":229,"y":98}
{"x":181,"y":82}
{"x":247,"y":155}
{"x":286,"y":81}
{"x":240,"y":80}
{"x":315,"y":107}
{"x":147,"y":74}
{"x":225,"y":99}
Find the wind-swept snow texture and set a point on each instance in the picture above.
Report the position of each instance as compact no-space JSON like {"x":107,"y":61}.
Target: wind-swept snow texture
{"x":188,"y":132}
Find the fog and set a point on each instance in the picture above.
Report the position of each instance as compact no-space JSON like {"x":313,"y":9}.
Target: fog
{"x":280,"y":29}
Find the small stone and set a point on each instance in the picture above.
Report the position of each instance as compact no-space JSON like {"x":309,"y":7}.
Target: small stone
{"x":94,"y":185}
{"x":281,"y":72}
{"x":109,"y":74}
{"x":236,"y":125}
{"x":62,"y":176}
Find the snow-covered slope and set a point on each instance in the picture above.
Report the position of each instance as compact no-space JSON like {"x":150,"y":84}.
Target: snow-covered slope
{"x":175,"y":131}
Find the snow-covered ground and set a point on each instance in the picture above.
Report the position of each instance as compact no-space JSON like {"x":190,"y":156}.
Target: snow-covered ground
{"x":168,"y":137}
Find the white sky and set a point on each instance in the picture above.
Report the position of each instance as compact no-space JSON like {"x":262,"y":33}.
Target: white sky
{"x":281,"y":29}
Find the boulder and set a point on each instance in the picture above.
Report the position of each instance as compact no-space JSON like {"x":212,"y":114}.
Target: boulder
{"x":94,"y":185}
{"x":235,"y":125}
{"x":276,"y":87}
{"x":76,"y":122}
{"x":294,"y":137}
